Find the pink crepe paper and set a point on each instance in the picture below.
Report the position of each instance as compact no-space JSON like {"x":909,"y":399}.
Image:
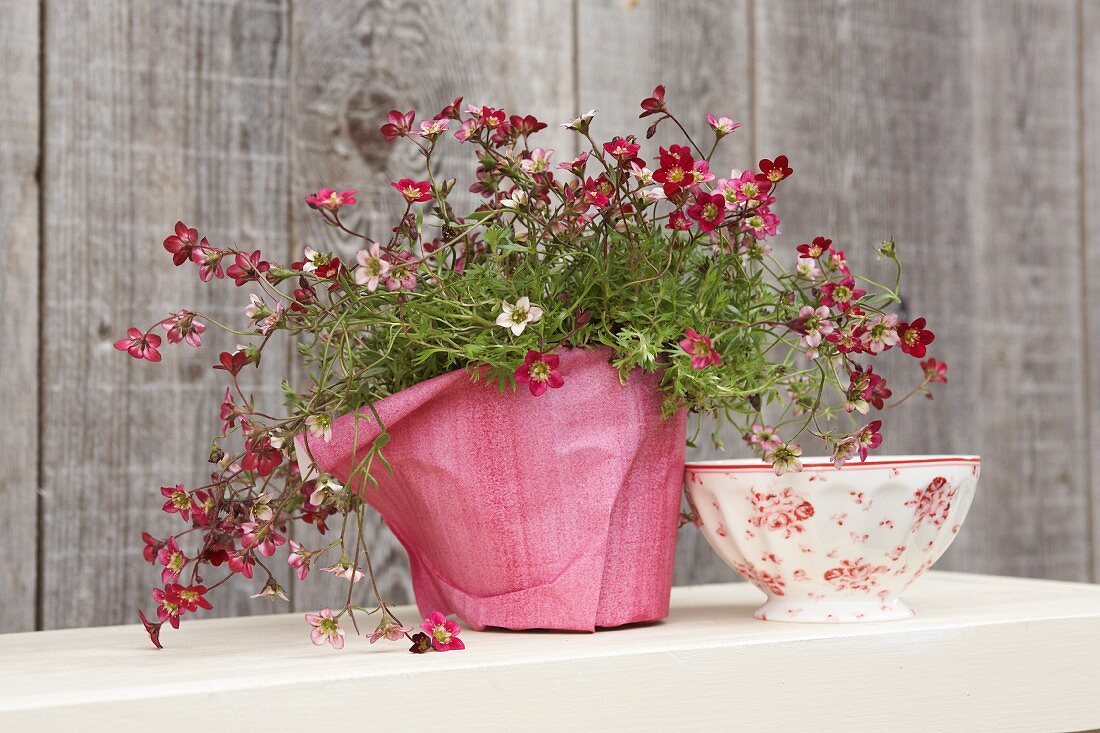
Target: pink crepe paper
{"x":555,"y":512}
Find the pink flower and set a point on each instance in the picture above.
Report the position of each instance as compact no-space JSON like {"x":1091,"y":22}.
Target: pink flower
{"x":247,"y":268}
{"x":331,"y":200}
{"x":709,"y":210}
{"x":398,"y":124}
{"x":413,"y":191}
{"x":722,"y":126}
{"x":184,"y":244}
{"x":140,"y":345}
{"x":880,"y":334}
{"x":537,"y":162}
{"x":934,"y":371}
{"x":813,"y":324}
{"x":761,"y":224}
{"x":210,"y":264}
{"x":182,"y":326}
{"x":390,"y":630}
{"x":372,"y":267}
{"x":173,"y":560}
{"x":623,"y":150}
{"x":764,"y":437}
{"x":299,"y":559}
{"x":443,"y":632}
{"x":431,"y":129}
{"x":868,"y":438}
{"x":325,"y":628}
{"x":241,"y":562}
{"x":700,"y":172}
{"x":749,"y":191}
{"x":576,"y":166}
{"x":700,"y":348}
{"x":261,"y":536}
{"x":539,"y":372}
{"x":402,"y":275}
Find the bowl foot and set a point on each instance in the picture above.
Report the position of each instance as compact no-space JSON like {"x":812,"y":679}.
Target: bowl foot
{"x":781,"y":608}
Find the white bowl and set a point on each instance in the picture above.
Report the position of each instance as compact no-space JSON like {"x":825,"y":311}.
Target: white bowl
{"x":828,"y":545}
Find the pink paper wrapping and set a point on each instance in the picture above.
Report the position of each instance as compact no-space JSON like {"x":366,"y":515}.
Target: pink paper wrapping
{"x":521,"y":512}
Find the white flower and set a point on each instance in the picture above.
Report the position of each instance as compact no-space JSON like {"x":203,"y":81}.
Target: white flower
{"x":320,"y":426}
{"x":344,"y":569}
{"x":517,"y":201}
{"x":313,"y":258}
{"x":583,"y":120}
{"x":256,"y":308}
{"x":372,"y":268}
{"x":516,"y":317}
{"x":261,"y":508}
{"x":324,"y":488}
{"x":653,"y":194}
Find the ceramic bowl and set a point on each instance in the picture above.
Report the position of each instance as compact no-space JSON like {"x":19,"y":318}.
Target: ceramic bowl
{"x":827,"y":544}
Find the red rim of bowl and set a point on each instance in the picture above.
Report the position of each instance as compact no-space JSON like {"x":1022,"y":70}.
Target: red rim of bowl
{"x":753,"y":464}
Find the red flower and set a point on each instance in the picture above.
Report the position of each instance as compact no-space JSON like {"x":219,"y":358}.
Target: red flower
{"x":184,"y":244}
{"x":539,"y":372}
{"x":443,"y":632}
{"x":656,"y":103}
{"x":173,"y":560}
{"x":623,"y":150}
{"x":242,"y":562}
{"x":330,"y":200}
{"x":178,"y":501}
{"x":841,"y":295}
{"x":491,"y":117}
{"x":774,"y":170}
{"x":867,"y":386}
{"x":262,"y":537}
{"x":868,"y":438}
{"x":413,"y":191}
{"x":700,"y":348}
{"x":677,"y":169}
{"x":934,"y":371}
{"x":678,"y":221}
{"x":183,"y":326}
{"x":398,"y":124}
{"x":140,"y":345}
{"x":451,"y":111}
{"x":597,"y":191}
{"x":527,"y":125}
{"x":815,"y":250}
{"x":192,"y":598}
{"x":709,"y":209}
{"x":914,"y":338}
{"x":152,"y":629}
{"x":168,"y":604}
{"x":247,"y":268}
{"x":232,"y":363}
{"x":261,"y":456}
{"x":152,"y":546}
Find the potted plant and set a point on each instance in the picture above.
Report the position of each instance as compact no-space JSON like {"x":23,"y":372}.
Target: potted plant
{"x":509,"y":386}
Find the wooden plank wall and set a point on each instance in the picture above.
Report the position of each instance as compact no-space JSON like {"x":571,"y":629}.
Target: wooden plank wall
{"x":970,"y":132}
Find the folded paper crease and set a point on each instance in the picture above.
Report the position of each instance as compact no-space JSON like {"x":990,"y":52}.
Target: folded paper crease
{"x":555,"y":512}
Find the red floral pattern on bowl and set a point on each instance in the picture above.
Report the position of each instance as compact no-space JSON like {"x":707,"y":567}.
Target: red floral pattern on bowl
{"x":827,"y":545}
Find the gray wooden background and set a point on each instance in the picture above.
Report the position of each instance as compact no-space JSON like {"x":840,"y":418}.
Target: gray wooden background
{"x":970,"y":131}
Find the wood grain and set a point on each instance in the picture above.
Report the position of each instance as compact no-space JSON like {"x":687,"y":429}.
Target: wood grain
{"x":623,"y":51}
{"x":1033,"y":519}
{"x":984,"y":654}
{"x":1089,"y":38}
{"x":352,"y":64}
{"x":176,"y":110}
{"x":907,"y":120}
{"x":19,"y":261}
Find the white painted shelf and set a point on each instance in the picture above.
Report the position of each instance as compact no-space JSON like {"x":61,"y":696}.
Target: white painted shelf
{"x":983,"y":654}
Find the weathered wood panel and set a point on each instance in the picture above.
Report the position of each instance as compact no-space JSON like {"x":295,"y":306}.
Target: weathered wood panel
{"x":1089,"y":38}
{"x":352,"y":63}
{"x":1033,"y":519}
{"x":155,"y":111}
{"x":951,"y":128}
{"x":702,"y":53}
{"x":19,"y":258}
